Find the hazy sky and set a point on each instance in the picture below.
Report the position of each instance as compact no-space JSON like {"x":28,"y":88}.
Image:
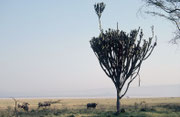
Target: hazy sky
{"x":44,"y":45}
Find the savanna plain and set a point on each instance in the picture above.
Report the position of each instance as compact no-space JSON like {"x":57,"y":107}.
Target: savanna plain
{"x":106,"y":107}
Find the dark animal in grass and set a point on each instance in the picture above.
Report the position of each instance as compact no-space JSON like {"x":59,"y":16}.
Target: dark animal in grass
{"x":24,"y":106}
{"x":91,"y":105}
{"x":44,"y":104}
{"x":47,"y":103}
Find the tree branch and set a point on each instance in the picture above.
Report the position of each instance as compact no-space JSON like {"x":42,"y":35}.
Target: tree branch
{"x":137,"y":74}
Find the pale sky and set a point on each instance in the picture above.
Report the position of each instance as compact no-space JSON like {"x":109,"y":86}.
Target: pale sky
{"x":44,"y":45}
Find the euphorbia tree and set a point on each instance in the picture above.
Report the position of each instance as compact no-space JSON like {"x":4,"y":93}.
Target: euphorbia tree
{"x":120,"y":54}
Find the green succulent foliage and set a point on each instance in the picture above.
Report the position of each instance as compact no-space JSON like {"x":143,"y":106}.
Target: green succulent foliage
{"x":99,"y":8}
{"x":120,"y":54}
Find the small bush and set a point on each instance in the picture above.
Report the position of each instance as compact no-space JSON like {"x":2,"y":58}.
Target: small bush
{"x":143,"y":109}
{"x":123,"y":110}
{"x":71,"y":116}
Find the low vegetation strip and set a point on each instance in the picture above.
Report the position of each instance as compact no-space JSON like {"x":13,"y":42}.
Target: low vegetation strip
{"x":132,"y":107}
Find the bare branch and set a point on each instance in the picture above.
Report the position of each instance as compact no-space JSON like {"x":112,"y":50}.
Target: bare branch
{"x":15,"y":107}
{"x":137,"y":74}
{"x":168,"y":9}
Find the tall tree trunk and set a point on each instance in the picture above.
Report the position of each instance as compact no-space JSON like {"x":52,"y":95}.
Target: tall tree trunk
{"x":118,"y":102}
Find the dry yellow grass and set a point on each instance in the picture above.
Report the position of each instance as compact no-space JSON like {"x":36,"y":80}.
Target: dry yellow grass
{"x":161,"y":107}
{"x":81,"y":103}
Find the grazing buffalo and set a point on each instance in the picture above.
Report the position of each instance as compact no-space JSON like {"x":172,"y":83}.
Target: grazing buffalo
{"x":45,"y":104}
{"x":91,"y":105}
{"x":24,"y":106}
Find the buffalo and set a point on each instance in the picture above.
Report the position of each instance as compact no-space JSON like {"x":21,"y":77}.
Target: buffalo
{"x":45,"y":104}
{"x":91,"y":105}
{"x":24,"y":106}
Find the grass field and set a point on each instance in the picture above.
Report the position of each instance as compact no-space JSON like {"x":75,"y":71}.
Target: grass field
{"x":152,"y":107}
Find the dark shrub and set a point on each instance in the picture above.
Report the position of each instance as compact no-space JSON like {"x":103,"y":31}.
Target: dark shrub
{"x":123,"y":110}
{"x":143,"y":109}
